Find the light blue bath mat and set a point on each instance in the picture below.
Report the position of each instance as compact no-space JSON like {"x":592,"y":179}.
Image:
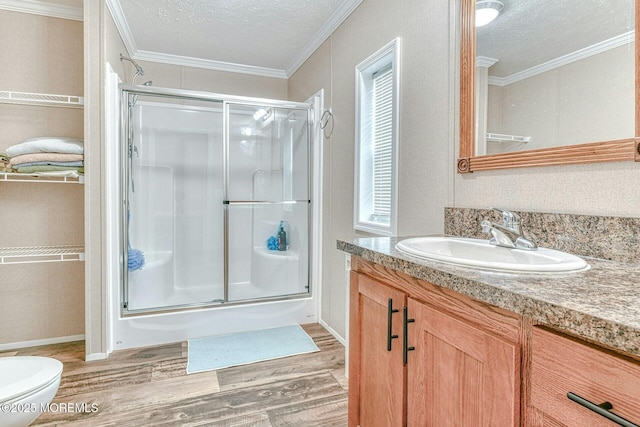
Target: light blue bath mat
{"x":223,"y":351}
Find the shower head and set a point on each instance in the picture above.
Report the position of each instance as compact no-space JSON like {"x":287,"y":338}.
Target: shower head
{"x":263,"y":114}
{"x":264,"y":117}
{"x":139,"y":70}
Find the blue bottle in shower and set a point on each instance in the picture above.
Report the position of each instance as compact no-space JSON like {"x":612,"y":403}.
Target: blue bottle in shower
{"x":282,"y":238}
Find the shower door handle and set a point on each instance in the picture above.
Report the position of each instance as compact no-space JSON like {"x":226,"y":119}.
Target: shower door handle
{"x":132,"y":149}
{"x":264,"y":202}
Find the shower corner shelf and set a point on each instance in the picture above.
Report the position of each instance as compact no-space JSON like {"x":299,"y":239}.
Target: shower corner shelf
{"x":41,"y":99}
{"x":40,"y":254}
{"x":22,"y":177}
{"x":499,"y":137}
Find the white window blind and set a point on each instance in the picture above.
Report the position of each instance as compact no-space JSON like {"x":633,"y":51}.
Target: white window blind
{"x":382,"y":139}
{"x":377,"y":89}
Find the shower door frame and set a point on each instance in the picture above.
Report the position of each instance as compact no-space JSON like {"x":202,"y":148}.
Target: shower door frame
{"x":224,"y":101}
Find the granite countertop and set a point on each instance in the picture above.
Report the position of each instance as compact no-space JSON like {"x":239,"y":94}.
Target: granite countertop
{"x":601,"y":304}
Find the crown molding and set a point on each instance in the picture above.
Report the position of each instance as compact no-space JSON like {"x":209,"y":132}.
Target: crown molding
{"x":115,"y":9}
{"x":334,"y":21}
{"x":208,"y":64}
{"x":44,"y":8}
{"x":485,"y":61}
{"x":127,"y":37}
{"x":578,"y":55}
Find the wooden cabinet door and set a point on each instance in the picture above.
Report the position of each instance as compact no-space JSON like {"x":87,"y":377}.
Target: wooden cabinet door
{"x":562,"y":366}
{"x":376,"y":375}
{"x":459,"y":374}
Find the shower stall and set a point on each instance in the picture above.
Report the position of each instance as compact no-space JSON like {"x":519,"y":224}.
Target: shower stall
{"x":216,"y":215}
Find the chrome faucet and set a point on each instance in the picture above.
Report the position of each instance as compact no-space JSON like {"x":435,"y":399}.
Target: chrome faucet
{"x":509,"y":234}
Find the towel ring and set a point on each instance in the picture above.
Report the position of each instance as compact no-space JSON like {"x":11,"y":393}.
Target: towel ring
{"x":324,"y":121}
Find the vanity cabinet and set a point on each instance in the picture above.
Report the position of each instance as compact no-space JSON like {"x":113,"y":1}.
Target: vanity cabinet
{"x":421,"y":355}
{"x":567,"y":374}
{"x":377,"y":372}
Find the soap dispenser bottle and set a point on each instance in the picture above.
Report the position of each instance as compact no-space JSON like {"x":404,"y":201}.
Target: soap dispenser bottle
{"x":282,"y":238}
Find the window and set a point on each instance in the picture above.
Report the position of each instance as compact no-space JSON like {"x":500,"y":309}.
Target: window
{"x":377,"y":83}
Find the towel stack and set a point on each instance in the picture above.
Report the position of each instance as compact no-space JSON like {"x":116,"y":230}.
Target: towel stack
{"x":48,"y":156}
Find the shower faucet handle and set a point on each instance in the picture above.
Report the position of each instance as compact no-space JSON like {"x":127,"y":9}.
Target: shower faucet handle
{"x":133,"y":149}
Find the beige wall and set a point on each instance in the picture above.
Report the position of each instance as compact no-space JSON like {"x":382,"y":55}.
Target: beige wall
{"x":42,"y":55}
{"x":585,"y":101}
{"x":114,"y":47}
{"x":181,"y":77}
{"x":595,"y":189}
{"x":40,"y":301}
{"x":425,"y":127}
{"x":95,"y":273}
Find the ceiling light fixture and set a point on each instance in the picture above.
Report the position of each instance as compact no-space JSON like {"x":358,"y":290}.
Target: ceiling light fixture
{"x":487,"y":11}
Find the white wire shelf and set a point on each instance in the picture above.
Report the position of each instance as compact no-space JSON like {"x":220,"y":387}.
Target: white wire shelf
{"x":42,"y":99}
{"x":499,"y":137}
{"x":37,"y":254}
{"x":23,"y":177}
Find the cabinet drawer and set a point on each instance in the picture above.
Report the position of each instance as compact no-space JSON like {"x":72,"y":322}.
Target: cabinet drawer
{"x":562,"y":365}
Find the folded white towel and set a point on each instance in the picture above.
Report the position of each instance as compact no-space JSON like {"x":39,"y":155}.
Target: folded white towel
{"x":47,"y":144}
{"x":46,"y":157}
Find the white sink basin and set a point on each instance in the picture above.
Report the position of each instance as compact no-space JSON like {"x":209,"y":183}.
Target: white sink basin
{"x":480,"y":254}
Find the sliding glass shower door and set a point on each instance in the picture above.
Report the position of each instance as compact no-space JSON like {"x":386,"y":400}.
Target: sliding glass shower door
{"x":174,"y":197}
{"x":268,"y":202}
{"x":216,"y":206}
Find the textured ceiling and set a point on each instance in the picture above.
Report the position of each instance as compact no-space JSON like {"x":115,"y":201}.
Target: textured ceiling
{"x":261,"y":36}
{"x":530,"y":32}
{"x":254,"y":33}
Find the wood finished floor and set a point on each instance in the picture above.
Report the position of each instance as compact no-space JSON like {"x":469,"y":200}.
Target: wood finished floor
{"x":149,"y":387}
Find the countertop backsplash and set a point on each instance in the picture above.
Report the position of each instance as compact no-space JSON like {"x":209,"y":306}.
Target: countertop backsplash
{"x":604,"y":237}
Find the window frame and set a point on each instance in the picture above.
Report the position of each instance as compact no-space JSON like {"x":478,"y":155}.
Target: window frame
{"x":389,"y":55}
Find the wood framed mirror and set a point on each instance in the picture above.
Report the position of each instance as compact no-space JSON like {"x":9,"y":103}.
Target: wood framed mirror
{"x":572,"y":146}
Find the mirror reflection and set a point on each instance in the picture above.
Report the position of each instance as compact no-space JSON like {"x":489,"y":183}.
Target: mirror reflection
{"x":554,"y":73}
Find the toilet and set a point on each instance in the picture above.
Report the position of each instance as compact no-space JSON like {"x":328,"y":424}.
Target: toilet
{"x":27,"y":385}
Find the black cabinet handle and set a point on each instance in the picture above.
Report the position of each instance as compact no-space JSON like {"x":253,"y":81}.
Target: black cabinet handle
{"x":601,"y":409}
{"x":390,"y":311}
{"x":405,"y":338}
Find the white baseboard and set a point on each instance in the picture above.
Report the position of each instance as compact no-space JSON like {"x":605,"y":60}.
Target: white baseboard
{"x":333,"y":332}
{"x":342,"y":341}
{"x":46,"y":341}
{"x":95,"y":356}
